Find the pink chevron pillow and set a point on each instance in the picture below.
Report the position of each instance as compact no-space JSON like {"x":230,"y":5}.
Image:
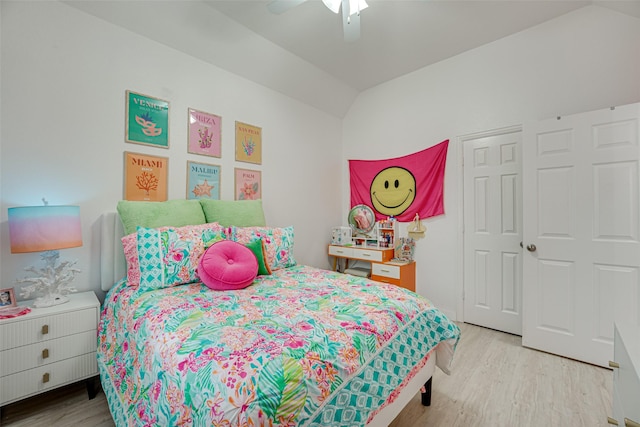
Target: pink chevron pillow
{"x":227,"y":265}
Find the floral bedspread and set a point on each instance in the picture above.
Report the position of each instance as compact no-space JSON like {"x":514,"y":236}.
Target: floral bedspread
{"x":302,"y":346}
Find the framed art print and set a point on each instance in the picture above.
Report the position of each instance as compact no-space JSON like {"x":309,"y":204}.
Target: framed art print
{"x":204,"y":133}
{"x":145,"y":177}
{"x":203,"y":181}
{"x":147,"y":120}
{"x":248,"y":143}
{"x":248,"y":184}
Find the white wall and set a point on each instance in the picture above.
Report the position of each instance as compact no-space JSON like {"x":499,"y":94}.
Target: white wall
{"x":585,"y":60}
{"x":64,"y":75}
{"x":63,"y":82}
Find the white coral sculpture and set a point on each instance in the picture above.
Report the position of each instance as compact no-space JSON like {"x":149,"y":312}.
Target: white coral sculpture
{"x":52,"y":279}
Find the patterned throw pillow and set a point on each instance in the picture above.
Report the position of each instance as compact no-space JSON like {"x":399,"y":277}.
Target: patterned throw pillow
{"x":168,"y":256}
{"x":278,"y":243}
{"x":259,"y":250}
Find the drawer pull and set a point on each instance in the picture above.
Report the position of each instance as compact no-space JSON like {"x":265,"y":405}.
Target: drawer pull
{"x":385,"y":270}
{"x":45,"y":378}
{"x":612,"y":421}
{"x":366,"y":254}
{"x":45,"y":353}
{"x":630,"y":423}
{"x":45,"y":329}
{"x":613,"y":364}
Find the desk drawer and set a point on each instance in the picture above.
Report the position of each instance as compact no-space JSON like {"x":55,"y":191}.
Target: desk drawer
{"x":386,"y":270}
{"x":340,"y":251}
{"x":366,"y":254}
{"x":400,"y":275}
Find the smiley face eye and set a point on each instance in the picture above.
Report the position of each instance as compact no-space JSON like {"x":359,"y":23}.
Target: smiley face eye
{"x":396,"y":184}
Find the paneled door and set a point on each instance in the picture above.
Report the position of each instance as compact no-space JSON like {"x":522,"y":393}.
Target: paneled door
{"x":493,"y":230}
{"x":581,"y":232}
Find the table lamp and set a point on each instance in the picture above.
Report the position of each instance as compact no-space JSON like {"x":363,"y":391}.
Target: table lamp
{"x":46,"y":229}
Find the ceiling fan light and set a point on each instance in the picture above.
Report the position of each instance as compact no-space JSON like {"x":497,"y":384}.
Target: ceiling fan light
{"x":333,"y":5}
{"x":355,"y":6}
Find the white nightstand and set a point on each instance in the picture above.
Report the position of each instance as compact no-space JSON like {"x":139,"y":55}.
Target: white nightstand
{"x":626,"y":375}
{"x":49,"y":347}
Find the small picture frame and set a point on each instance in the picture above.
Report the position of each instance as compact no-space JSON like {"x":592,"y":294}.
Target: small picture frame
{"x":147,"y":120}
{"x":145,"y":177}
{"x":203,"y":181}
{"x":404,"y":249}
{"x":205,"y":133}
{"x":248,"y":184}
{"x":7,"y":298}
{"x":248,"y":143}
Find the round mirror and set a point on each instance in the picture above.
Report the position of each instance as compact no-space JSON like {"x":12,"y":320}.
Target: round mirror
{"x":361,"y":219}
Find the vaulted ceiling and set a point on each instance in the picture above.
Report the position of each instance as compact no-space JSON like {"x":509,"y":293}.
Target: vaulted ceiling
{"x":302,"y":53}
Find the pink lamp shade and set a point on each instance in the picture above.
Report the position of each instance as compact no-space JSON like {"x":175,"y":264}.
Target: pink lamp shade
{"x":44,"y":228}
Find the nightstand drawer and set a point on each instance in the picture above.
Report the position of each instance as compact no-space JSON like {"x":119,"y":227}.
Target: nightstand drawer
{"x":44,"y":328}
{"x":34,"y":381}
{"x":626,"y":378}
{"x":47,"y":352}
{"x":340,"y":251}
{"x":386,"y":270}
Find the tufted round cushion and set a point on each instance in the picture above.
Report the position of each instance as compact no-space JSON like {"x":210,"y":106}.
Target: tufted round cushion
{"x":227,"y":265}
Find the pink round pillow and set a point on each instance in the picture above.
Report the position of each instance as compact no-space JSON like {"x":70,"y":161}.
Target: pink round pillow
{"x":227,"y":265}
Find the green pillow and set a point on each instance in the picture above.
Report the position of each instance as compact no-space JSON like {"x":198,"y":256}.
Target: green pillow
{"x":241,"y":213}
{"x":257,"y":247}
{"x":176,"y":213}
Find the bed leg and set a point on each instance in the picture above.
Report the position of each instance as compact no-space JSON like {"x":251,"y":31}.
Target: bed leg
{"x":426,"y":395}
{"x":92,"y":387}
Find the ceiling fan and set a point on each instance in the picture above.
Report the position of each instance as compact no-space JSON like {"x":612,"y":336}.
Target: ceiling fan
{"x":350,"y":13}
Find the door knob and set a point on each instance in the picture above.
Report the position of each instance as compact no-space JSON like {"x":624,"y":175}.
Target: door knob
{"x":531,"y":248}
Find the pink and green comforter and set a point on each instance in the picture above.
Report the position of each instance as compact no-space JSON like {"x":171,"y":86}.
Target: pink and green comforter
{"x":302,"y":346}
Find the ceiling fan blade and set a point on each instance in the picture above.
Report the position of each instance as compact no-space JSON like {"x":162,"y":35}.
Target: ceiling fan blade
{"x":281,"y":6}
{"x":350,"y":25}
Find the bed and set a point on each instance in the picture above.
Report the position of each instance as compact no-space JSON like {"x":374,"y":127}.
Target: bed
{"x":301,"y":346}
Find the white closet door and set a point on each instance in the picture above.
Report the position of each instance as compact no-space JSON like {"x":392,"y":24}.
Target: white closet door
{"x":493,"y":231}
{"x":581,"y":225}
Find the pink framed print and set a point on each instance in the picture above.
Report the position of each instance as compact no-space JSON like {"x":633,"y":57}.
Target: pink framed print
{"x":205,"y":133}
{"x":248,"y":184}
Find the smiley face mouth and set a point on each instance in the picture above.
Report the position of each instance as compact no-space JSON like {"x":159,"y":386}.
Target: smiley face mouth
{"x":396,"y":206}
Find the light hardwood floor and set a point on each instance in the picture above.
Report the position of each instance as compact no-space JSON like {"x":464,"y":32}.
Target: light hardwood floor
{"x":495,"y":382}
